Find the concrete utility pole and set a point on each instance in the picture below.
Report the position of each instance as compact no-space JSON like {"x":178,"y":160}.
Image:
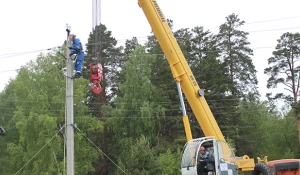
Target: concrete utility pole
{"x":69,"y":108}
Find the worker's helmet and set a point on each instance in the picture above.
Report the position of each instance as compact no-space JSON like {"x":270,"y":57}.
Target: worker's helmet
{"x":71,"y":36}
{"x":202,"y":148}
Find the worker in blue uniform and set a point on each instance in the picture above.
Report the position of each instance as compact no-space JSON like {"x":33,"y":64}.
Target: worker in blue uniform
{"x":77,"y":49}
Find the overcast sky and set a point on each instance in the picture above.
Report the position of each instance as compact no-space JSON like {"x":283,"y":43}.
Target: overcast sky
{"x":32,"y":25}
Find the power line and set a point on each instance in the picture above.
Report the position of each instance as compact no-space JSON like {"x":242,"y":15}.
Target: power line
{"x":269,"y":30}
{"x":256,"y":31}
{"x":263,"y":21}
{"x":254,"y":22}
{"x":271,"y":20}
{"x":179,"y":115}
{"x":8,"y":71}
{"x":14,"y":53}
{"x":156,"y":102}
{"x":144,"y":38}
{"x":7,"y":55}
{"x":134,"y":110}
{"x":149,"y":54}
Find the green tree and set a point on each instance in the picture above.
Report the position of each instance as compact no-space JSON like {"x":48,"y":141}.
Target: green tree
{"x":138,"y":111}
{"x":7,"y":107}
{"x":280,"y":137}
{"x":34,"y":121}
{"x":254,"y":118}
{"x":139,"y":159}
{"x":39,"y":114}
{"x":169,"y":163}
{"x":262,"y":132}
{"x":163,"y":80}
{"x":212,"y":76}
{"x":102,"y":48}
{"x":235,"y":56}
{"x":130,"y":45}
{"x":283,"y":70}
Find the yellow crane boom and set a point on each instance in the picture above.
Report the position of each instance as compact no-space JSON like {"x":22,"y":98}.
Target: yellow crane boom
{"x":183,"y":74}
{"x":180,"y":69}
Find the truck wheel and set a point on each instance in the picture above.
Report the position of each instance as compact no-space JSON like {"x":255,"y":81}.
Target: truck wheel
{"x":261,"y":169}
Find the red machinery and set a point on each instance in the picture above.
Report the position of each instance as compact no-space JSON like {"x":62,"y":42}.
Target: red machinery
{"x":96,"y":77}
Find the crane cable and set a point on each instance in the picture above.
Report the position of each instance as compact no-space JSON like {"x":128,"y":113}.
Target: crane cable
{"x":98,"y":33}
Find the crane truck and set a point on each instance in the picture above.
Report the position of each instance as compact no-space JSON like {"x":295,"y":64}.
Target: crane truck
{"x":225,"y":162}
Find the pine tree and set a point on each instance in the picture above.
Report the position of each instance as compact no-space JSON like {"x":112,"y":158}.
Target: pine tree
{"x":284,"y":70}
{"x":212,"y":76}
{"x":102,"y":48}
{"x":162,"y":79}
{"x":236,"y":56}
{"x":130,"y":45}
{"x":138,"y":110}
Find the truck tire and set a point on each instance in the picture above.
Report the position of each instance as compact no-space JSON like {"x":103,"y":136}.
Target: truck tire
{"x":261,"y":169}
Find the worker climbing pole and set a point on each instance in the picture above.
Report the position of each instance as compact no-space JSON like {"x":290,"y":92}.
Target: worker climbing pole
{"x":76,"y":49}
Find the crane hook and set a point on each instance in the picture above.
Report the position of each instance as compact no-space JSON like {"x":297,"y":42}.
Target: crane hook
{"x":96,"y":88}
{"x":96,"y":76}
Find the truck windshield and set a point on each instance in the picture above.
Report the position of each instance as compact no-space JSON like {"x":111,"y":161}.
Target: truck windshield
{"x":189,"y":155}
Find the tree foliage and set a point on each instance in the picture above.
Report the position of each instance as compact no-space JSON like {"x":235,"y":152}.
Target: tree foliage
{"x":39,"y":119}
{"x":135,"y":123}
{"x":283,"y":68}
{"x":236,"y":56}
{"x":138,"y":112}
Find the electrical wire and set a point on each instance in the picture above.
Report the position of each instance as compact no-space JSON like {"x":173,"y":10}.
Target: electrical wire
{"x":269,"y":30}
{"x":178,"y":38}
{"x":149,"y":54}
{"x":8,"y":71}
{"x":28,"y":52}
{"x":170,"y":110}
{"x":175,"y":109}
{"x":271,"y":20}
{"x":8,"y":55}
{"x":115,"y":103}
{"x":17,"y":53}
{"x":105,"y":103}
{"x":145,"y":37}
{"x":263,"y":21}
